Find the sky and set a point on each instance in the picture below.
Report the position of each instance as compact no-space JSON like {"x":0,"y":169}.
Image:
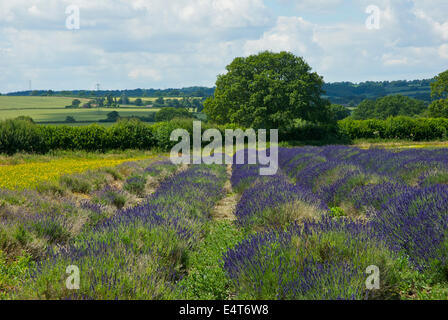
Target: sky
{"x":128,"y":44}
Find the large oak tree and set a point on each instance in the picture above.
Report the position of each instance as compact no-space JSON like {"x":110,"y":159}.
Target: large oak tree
{"x":439,"y":89}
{"x":268,"y":90}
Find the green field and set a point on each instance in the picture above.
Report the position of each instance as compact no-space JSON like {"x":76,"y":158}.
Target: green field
{"x":19,"y":103}
{"x":52,"y":109}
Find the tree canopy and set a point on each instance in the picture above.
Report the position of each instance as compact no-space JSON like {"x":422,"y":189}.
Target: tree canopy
{"x":113,"y":116}
{"x":339,"y":112}
{"x":438,"y":109}
{"x":138,"y":102}
{"x":268,"y":90}
{"x":389,"y":106}
{"x":439,"y":88}
{"x":169,"y":113}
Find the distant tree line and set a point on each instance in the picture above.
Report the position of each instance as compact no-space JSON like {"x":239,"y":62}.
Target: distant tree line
{"x":342,"y":93}
{"x":351,"y":94}
{"x":196,"y":104}
{"x":164,"y":114}
{"x":109,"y":101}
{"x":399,"y":105}
{"x":389,"y":106}
{"x":201,"y":92}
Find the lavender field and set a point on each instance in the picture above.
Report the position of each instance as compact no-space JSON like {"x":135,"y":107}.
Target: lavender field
{"x":153,"y":230}
{"x":332,"y":212}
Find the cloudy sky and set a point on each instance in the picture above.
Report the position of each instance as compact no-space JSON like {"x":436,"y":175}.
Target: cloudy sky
{"x":175,"y":43}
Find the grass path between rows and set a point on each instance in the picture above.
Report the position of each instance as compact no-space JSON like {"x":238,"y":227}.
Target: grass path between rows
{"x":225,"y":208}
{"x":207,"y":279}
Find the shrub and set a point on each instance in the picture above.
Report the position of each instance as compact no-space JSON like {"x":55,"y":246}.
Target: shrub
{"x":88,"y":138}
{"x":111,"y":196}
{"x":51,"y":228}
{"x":167,"y":114}
{"x":131,"y":134}
{"x":389,"y":106}
{"x":162,"y":131}
{"x":421,"y":129}
{"x":70,"y":119}
{"x":337,"y":212}
{"x":308,"y":131}
{"x":20,"y":135}
{"x":76,"y":184}
{"x":135,"y":185}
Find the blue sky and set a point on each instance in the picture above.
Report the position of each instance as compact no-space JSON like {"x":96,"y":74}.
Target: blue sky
{"x":175,"y":43}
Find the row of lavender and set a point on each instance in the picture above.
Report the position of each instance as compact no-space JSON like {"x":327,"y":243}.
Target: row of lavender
{"x":56,"y":211}
{"x":330,"y":213}
{"x":403,"y":194}
{"x":140,"y":252}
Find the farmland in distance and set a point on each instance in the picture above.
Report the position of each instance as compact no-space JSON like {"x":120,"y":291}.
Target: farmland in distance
{"x":52,"y":109}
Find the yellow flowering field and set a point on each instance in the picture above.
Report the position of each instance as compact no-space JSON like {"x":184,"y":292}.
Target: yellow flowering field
{"x":403,"y":145}
{"x":29,"y":175}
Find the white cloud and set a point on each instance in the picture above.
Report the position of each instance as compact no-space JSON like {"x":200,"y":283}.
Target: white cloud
{"x":408,"y":42}
{"x":439,"y":28}
{"x":145,"y":73}
{"x":159,"y":43}
{"x":318,"y":5}
{"x":443,"y":51}
{"x":33,"y":10}
{"x":389,"y":60}
{"x":290,"y":34}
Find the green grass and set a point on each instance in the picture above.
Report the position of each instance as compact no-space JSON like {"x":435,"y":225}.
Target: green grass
{"x":52,"y":109}
{"x":207,"y":279}
{"x":9,"y":102}
{"x":60,"y":114}
{"x":11,"y":273}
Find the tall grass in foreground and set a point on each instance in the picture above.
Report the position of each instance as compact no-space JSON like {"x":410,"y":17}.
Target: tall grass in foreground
{"x":139,"y":253}
{"x":35,"y":221}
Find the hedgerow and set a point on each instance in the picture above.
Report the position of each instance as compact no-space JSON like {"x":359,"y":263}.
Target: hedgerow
{"x":21,"y":135}
{"x":415,"y":129}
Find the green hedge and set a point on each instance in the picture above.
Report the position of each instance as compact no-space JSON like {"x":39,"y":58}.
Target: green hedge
{"x":24,"y":136}
{"x":21,"y":135}
{"x":406,"y":128}
{"x":309,"y":132}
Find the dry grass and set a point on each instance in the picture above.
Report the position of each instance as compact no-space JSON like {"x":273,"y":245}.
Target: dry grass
{"x":299,"y":211}
{"x":225,"y":208}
